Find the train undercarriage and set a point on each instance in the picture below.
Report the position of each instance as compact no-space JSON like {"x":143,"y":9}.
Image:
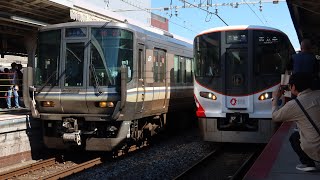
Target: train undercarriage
{"x":74,"y":132}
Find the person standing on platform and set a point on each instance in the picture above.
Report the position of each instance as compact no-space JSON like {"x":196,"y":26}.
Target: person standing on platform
{"x":305,"y":61}
{"x":306,"y":141}
{"x":14,"y":87}
{"x":20,"y":78}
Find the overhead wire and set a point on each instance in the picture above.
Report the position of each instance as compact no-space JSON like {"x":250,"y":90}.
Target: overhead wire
{"x":253,"y":11}
{"x":262,"y":14}
{"x":168,"y":19}
{"x":205,"y":11}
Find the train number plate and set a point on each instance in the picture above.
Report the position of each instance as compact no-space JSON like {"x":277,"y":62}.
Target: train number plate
{"x":237,"y":102}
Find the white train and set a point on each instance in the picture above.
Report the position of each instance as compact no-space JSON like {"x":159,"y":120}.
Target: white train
{"x":236,"y":70}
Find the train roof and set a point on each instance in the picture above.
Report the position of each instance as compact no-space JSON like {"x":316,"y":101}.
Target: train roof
{"x":239,"y":27}
{"x":146,"y":30}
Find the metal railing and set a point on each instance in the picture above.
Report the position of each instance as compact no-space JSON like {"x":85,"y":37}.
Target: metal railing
{"x":5,"y":84}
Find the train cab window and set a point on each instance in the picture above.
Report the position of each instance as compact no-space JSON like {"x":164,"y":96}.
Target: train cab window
{"x":74,"y":64}
{"x":111,"y":48}
{"x":47,"y":63}
{"x":271,"y":53}
{"x":159,"y":66}
{"x":207,"y":62}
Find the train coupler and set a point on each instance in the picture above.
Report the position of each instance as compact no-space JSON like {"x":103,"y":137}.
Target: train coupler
{"x":73,"y":137}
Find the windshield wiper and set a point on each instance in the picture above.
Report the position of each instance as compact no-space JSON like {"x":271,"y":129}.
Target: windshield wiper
{"x":96,"y":80}
{"x":47,"y":81}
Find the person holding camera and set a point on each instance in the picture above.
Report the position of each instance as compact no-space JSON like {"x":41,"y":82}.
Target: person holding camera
{"x":306,"y":141}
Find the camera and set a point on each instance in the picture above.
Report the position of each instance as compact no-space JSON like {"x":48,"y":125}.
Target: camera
{"x":284,"y":88}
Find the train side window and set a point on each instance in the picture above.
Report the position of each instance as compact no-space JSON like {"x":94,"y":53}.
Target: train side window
{"x":162,"y":67}
{"x":159,"y":66}
{"x":188,"y":70}
{"x":182,"y":68}
{"x":176,"y":69}
{"x":140,"y":64}
{"x":155,"y":66}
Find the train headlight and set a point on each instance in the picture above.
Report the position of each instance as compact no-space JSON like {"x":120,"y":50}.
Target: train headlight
{"x":265,"y":96}
{"x":104,"y":104}
{"x":208,"y":95}
{"x":47,"y":103}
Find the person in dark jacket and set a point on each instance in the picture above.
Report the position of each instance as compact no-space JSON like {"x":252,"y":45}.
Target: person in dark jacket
{"x":305,"y":61}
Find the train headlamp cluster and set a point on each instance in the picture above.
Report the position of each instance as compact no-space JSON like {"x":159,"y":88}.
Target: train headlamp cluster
{"x":47,"y":103}
{"x":265,"y":96}
{"x":208,"y":95}
{"x":105,"y":104}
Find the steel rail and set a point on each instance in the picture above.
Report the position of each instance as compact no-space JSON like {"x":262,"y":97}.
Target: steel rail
{"x":214,"y":162}
{"x":197,"y":163}
{"x":27,"y":168}
{"x":73,"y":170}
{"x":243,"y":168}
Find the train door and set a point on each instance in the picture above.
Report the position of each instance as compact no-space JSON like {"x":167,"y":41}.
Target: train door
{"x":237,"y":78}
{"x":159,"y":74}
{"x":141,"y":79}
{"x":73,"y":88}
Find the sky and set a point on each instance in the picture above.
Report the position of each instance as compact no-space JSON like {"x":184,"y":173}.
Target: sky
{"x":188,"y":22}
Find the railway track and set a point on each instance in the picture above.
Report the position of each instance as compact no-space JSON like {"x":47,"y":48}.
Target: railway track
{"x":27,"y":169}
{"x":59,"y":167}
{"x":225,"y":162}
{"x":49,"y":169}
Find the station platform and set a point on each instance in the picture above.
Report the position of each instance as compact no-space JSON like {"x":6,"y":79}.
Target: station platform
{"x":19,"y":136}
{"x":278,"y":160}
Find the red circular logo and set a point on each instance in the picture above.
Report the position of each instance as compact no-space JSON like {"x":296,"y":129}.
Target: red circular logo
{"x":233,"y":101}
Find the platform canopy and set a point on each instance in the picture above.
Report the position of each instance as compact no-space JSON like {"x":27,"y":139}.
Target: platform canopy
{"x":22,"y":18}
{"x":305,"y":15}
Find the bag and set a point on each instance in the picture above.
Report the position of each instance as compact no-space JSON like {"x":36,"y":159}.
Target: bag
{"x":307,"y":115}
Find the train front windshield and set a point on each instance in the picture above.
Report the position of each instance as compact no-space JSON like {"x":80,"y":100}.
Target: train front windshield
{"x":207,"y":60}
{"x":72,"y":56}
{"x":271,"y":55}
{"x":110,"y":49}
{"x":240,"y":62}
